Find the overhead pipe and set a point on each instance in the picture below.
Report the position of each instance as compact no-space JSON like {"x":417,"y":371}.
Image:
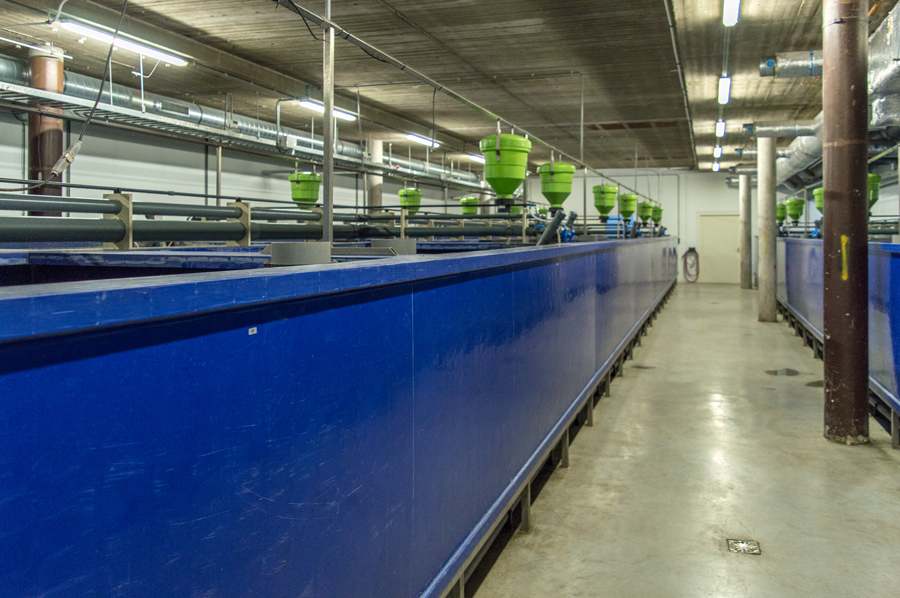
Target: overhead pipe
{"x":787,"y":65}
{"x":86,"y":88}
{"x":751,"y":154}
{"x":794,"y":129}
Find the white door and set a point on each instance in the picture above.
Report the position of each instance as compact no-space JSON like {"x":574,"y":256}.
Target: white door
{"x":719,"y":248}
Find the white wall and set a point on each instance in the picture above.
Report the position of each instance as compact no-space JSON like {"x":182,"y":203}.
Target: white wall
{"x":684,"y":195}
{"x":126,"y":159}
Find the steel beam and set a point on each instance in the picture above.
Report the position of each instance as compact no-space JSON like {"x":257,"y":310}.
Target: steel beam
{"x":845,"y":142}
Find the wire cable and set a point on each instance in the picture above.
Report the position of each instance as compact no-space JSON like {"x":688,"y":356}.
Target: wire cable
{"x":68,"y":156}
{"x":690,"y":263}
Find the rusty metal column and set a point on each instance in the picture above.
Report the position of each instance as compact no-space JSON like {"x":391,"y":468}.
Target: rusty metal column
{"x":845,"y":137}
{"x":766,"y":191}
{"x":328,"y":131}
{"x":746,"y":245}
{"x":45,"y":133}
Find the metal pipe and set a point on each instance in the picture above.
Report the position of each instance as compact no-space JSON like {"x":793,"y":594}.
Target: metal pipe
{"x":794,"y":129}
{"x":745,"y":241}
{"x":766,"y":229}
{"x":846,"y":331}
{"x":328,"y":130}
{"x":52,"y":203}
{"x":218,"y":175}
{"x":552,"y":227}
{"x":680,"y":68}
{"x":61,"y":230}
{"x":786,"y":65}
{"x":45,"y":132}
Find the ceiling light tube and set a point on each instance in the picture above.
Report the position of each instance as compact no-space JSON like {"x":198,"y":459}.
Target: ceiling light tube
{"x":320,"y":108}
{"x":422,"y":140}
{"x":724,"y":90}
{"x":720,"y":128}
{"x":717,"y":152}
{"x":716,"y":167}
{"x":477,"y":158}
{"x":125,"y":44}
{"x":731,"y":13}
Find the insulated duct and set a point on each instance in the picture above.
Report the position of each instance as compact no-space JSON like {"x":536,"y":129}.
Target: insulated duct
{"x":786,"y":65}
{"x":750,"y":154}
{"x":794,"y":129}
{"x":86,"y":88}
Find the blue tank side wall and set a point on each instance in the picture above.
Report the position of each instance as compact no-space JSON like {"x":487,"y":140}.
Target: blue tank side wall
{"x":331,"y":432}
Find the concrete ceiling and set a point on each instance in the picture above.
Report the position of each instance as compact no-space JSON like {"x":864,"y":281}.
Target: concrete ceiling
{"x":522,"y":59}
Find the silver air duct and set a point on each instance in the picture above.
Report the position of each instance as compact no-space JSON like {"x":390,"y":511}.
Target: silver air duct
{"x":86,"y":88}
{"x":795,"y":129}
{"x":786,"y":65}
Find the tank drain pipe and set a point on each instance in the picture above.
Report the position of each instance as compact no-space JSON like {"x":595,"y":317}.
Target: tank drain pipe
{"x":550,"y":230}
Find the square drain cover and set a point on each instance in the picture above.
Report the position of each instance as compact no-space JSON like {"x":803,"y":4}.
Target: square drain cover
{"x":744,"y":546}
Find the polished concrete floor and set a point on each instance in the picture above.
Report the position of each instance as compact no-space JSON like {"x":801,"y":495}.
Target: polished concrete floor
{"x":699,"y":444}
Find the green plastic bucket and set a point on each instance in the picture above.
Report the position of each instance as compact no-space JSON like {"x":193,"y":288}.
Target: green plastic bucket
{"x":645,"y":211}
{"x":874,"y":187}
{"x":795,"y":208}
{"x":819,"y":196}
{"x":556,"y":182}
{"x":657,"y":214}
{"x":605,"y":198}
{"x":505,"y":176}
{"x":305,"y":187}
{"x":780,"y":213}
{"x":411,"y":199}
{"x":469,"y":205}
{"x":627,"y":205}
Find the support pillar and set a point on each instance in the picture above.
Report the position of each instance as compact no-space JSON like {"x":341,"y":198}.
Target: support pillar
{"x":45,"y":133}
{"x":845,"y":234}
{"x":746,"y":244}
{"x":767,"y":231}
{"x":376,"y":182}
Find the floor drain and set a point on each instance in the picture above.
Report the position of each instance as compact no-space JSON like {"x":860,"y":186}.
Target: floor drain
{"x":744,"y":547}
{"x":784,"y":372}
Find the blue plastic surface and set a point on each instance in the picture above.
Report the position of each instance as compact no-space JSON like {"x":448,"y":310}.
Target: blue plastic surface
{"x":328,"y":431}
{"x":800,"y":288}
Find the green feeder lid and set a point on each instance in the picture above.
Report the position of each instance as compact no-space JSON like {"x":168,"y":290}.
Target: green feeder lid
{"x":506,"y":174}
{"x":305,"y":187}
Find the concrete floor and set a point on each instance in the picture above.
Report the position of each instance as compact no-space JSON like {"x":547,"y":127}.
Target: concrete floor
{"x":699,"y":444}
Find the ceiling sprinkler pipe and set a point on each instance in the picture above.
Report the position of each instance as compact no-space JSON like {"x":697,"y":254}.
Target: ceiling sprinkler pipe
{"x":787,"y":65}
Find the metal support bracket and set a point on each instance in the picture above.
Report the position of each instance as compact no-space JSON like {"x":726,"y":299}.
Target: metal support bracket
{"x":895,"y":430}
{"x":527,"y":524}
{"x":125,"y":217}
{"x":403,"y":215}
{"x":564,"y":446}
{"x":244,"y":207}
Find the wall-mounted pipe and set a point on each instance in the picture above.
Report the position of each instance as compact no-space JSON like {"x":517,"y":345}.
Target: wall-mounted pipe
{"x":786,"y":65}
{"x":86,"y":88}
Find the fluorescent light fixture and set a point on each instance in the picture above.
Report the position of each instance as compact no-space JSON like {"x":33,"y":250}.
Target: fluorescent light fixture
{"x":724,"y":90}
{"x":731,"y":13}
{"x":320,"y":108}
{"x":720,"y":128}
{"x":716,"y":167}
{"x":422,"y":140}
{"x":717,"y":153}
{"x":123,"y":43}
{"x":477,"y":158}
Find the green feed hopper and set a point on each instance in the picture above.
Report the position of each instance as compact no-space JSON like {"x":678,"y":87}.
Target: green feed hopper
{"x":819,"y":196}
{"x":515,"y":210}
{"x":505,"y":163}
{"x":657,"y":214}
{"x":780,"y":213}
{"x":543,"y":211}
{"x":305,"y":187}
{"x":874,"y":187}
{"x":645,"y":211}
{"x":795,"y":208}
{"x":605,"y":199}
{"x":469,"y":205}
{"x":411,"y":199}
{"x":556,"y":182}
{"x":627,"y":205}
